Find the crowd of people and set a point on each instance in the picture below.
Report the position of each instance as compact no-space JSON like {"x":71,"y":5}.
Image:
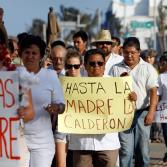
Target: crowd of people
{"x":44,"y":145}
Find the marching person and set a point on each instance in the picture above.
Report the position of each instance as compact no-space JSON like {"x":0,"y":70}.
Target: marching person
{"x":136,"y":139}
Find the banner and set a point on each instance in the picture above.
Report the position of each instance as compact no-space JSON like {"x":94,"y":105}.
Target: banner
{"x":96,"y":105}
{"x":9,"y":122}
{"x":161,"y":113}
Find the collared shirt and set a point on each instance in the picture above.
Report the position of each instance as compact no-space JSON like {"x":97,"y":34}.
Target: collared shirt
{"x":144,"y":78}
{"x":62,"y":73}
{"x":109,"y":141}
{"x":113,"y":59}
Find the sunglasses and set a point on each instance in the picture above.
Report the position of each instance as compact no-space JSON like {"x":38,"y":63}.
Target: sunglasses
{"x":75,"y":66}
{"x":96,"y":63}
{"x":104,"y":43}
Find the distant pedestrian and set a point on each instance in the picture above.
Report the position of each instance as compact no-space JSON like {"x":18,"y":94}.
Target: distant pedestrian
{"x":162,"y":92}
{"x":149,"y":55}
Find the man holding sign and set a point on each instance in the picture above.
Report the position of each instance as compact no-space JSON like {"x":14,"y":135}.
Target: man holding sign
{"x":95,"y":149}
{"x":136,"y":139}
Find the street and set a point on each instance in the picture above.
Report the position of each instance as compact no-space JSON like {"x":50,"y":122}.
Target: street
{"x":157,"y":151}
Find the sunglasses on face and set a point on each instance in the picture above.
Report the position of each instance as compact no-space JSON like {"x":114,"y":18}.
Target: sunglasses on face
{"x":96,"y":63}
{"x":104,"y":43}
{"x":75,"y":66}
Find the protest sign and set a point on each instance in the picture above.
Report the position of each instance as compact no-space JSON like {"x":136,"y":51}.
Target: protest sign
{"x":96,"y":105}
{"x":9,"y":122}
{"x":161,"y":113}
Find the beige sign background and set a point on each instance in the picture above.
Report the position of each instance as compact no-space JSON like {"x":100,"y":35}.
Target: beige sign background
{"x":96,"y":105}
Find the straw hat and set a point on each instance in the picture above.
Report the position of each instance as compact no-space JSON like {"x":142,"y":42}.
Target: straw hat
{"x":104,"y":36}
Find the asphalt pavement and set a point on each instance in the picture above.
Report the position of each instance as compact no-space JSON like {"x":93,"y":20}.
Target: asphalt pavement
{"x":157,"y":151}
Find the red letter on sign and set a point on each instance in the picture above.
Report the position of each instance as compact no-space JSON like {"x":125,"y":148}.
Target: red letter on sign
{"x":10,"y":93}
{"x":12,"y":138}
{"x":4,"y":122}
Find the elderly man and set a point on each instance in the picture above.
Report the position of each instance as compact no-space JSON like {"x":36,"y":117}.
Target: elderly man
{"x":58,"y":53}
{"x":105,"y":42}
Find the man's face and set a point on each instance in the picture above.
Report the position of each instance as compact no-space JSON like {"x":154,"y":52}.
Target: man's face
{"x":79,"y":44}
{"x":57,"y":57}
{"x":131,"y":56}
{"x":150,"y":59}
{"x":163,"y":66}
{"x":95,"y":66}
{"x":115,"y":47}
{"x":105,"y":46}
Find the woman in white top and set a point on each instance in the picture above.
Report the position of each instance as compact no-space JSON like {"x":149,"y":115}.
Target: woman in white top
{"x":47,"y":99}
{"x":73,"y":64}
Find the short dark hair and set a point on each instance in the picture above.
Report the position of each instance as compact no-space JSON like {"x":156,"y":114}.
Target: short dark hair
{"x":29,"y":40}
{"x":56,"y":43}
{"x":117,"y":40}
{"x":132,"y":41}
{"x":163,"y":58}
{"x":148,"y":53}
{"x":91,"y":52}
{"x":81,"y":34}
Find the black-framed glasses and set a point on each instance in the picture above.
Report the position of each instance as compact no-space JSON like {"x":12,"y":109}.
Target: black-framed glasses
{"x":75,"y":66}
{"x":96,"y":63}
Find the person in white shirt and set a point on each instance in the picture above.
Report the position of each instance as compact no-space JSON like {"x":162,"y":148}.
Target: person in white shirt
{"x":145,"y":83}
{"x":94,"y":150}
{"x":162,"y":93}
{"x":48,"y":99}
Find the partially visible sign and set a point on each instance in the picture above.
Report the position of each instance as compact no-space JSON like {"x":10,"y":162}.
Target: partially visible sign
{"x":161,"y":113}
{"x":141,"y":24}
{"x":9,"y":122}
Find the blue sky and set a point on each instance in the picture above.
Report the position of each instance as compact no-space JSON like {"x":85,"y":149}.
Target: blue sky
{"x":20,"y":13}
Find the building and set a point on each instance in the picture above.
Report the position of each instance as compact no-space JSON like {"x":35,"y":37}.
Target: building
{"x":138,"y":18}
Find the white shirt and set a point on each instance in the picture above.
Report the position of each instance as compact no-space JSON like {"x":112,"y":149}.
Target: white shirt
{"x":109,"y":141}
{"x":144,"y":78}
{"x":162,"y":89}
{"x":38,"y":132}
{"x":113,"y":59}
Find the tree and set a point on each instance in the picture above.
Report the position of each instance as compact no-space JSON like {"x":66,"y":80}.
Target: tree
{"x":37,"y":28}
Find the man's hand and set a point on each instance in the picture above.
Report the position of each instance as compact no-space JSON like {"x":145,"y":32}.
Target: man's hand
{"x":132,"y":96}
{"x":149,"y":118}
